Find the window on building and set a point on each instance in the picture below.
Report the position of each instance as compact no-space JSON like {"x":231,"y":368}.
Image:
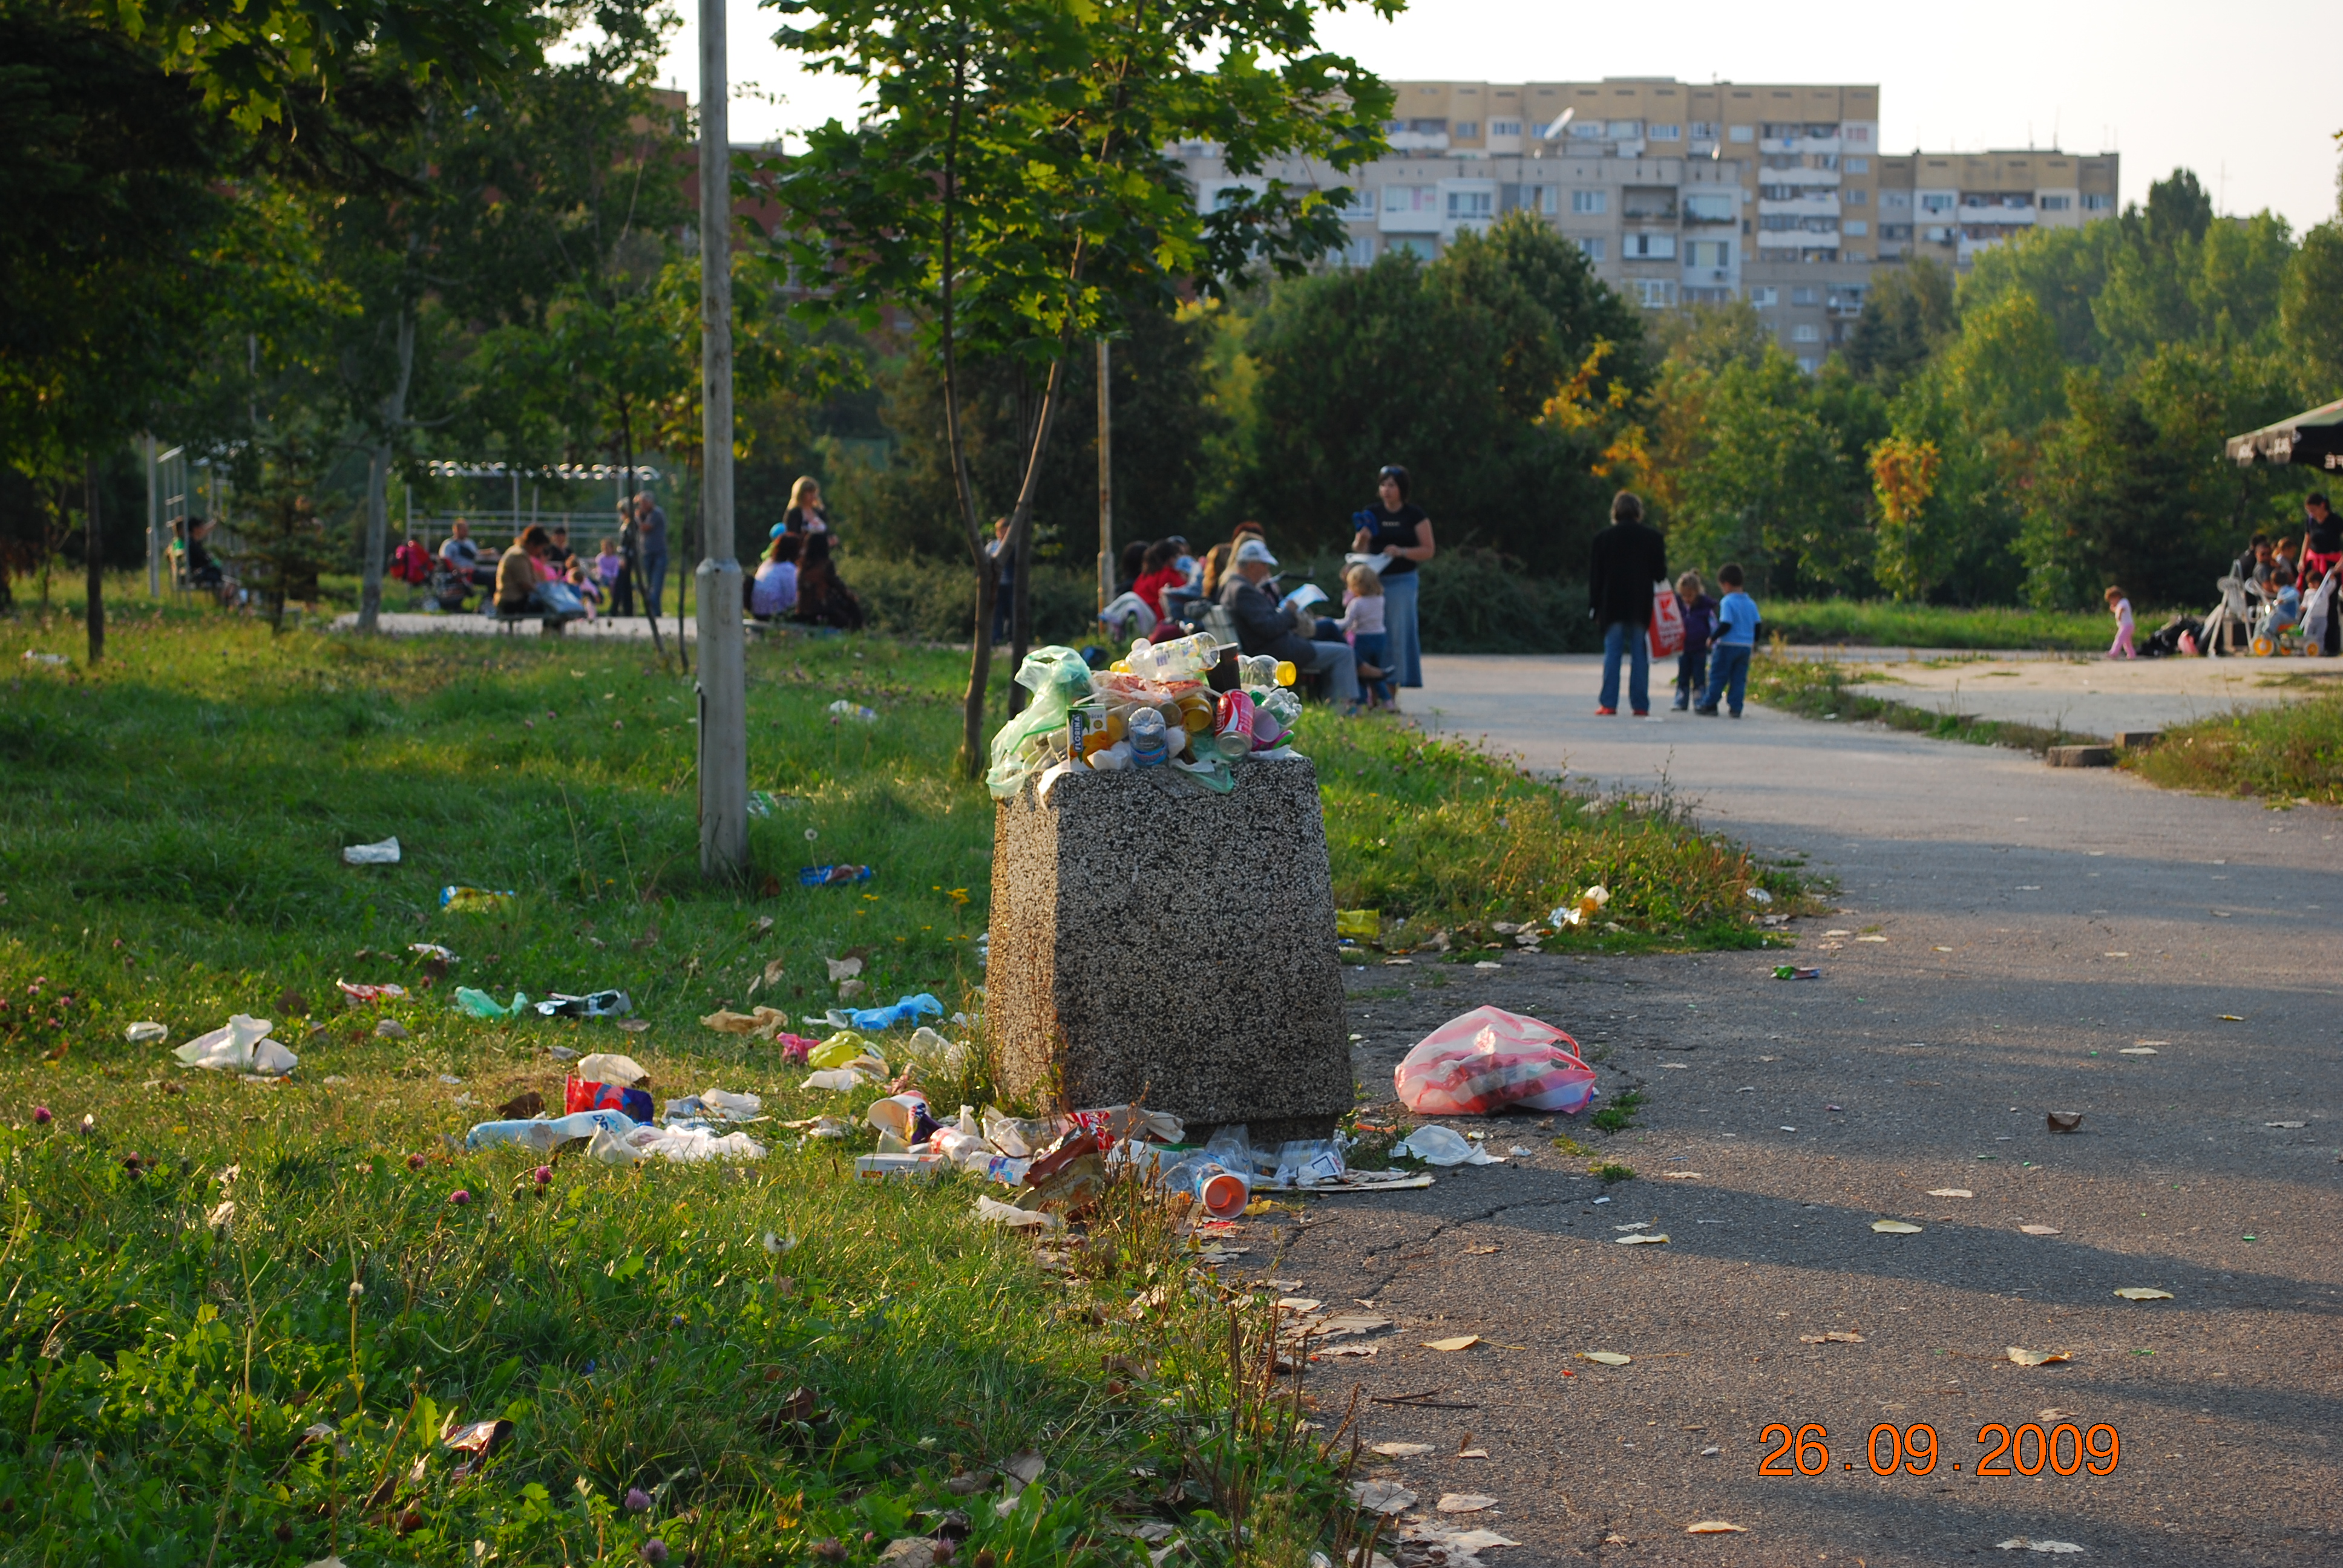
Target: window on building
{"x":1805,"y":295}
{"x":2057,"y":203}
{"x":1805,"y":332}
{"x":1819,"y":225}
{"x":1902,"y":200}
{"x":1857,"y":196}
{"x":1428,"y":128}
{"x":1411,"y":198}
{"x":1781,"y":161}
{"x":1591,"y":246}
{"x":1764,"y":297}
{"x":1858,"y":166}
{"x":1467,"y":130}
{"x":1708,"y":207}
{"x":1743,"y":134}
{"x":1358,"y":250}
{"x":1586,"y":130}
{"x":1708,"y":253}
{"x":1856,"y":133}
{"x":1822,"y":161}
{"x":1895,"y":231}
{"x":1810,"y":363}
{"x":1936,"y":201}
{"x":1667,"y":132}
{"x":2097,"y":203}
{"x":1589,"y":201}
{"x":1777,"y":222}
{"x":1466,"y":204}
{"x":1647,"y":247}
{"x":1856,"y":226}
{"x":1357,"y":204}
{"x":1505,"y":127}
{"x":1780,"y":192}
{"x":1655,"y":293}
{"x":1549,"y":199}
{"x":1704,"y":130}
{"x":1407,"y":244}
{"x":1625,"y":130}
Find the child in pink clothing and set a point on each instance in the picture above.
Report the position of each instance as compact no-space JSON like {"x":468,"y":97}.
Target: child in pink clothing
{"x":2121,"y":605}
{"x":1363,"y":620}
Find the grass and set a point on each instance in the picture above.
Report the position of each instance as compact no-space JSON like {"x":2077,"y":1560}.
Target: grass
{"x":2289,"y":754}
{"x":182,"y":1308}
{"x":1887,"y":624}
{"x":1825,"y":690}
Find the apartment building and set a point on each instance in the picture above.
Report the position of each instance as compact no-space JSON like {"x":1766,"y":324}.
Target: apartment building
{"x":1679,"y":193}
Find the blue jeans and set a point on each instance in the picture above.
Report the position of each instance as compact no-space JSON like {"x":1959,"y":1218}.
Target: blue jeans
{"x":1406,"y":648}
{"x":1728,"y":666}
{"x":654,"y":577}
{"x":1369,"y":647}
{"x":1626,"y":636}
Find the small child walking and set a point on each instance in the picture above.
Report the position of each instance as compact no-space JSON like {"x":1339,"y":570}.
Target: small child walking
{"x":1736,"y":641}
{"x":1699,"y":620}
{"x":2121,"y":607}
{"x":1362,"y":618}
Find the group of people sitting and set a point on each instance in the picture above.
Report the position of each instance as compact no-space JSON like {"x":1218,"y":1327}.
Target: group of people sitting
{"x":538,"y":574}
{"x":796,"y":577}
{"x":2275,"y":581}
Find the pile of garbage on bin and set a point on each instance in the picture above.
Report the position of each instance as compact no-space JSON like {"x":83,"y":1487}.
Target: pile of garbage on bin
{"x":1159,"y":707}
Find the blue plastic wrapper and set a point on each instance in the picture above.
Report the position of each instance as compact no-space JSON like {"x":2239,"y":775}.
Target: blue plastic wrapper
{"x":834,"y":876}
{"x":910,"y":1010}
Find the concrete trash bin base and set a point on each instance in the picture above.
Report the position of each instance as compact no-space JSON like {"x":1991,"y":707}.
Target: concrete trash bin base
{"x":1154,"y":941}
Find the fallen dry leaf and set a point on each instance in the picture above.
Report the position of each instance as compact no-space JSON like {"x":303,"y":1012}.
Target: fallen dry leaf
{"x":1401,"y":1450}
{"x":1461,"y":1343}
{"x":1894,"y":1228}
{"x":1382,"y":1496}
{"x":1647,"y":1238}
{"x":1299,"y":1303}
{"x":1466,"y":1502}
{"x":2039,"y":1229}
{"x":2026,"y":1358}
{"x":1605,"y":1358}
{"x":2142,"y":1293}
{"x":1472,"y":1454}
{"x":1361,"y":1350}
{"x":1716,"y":1527}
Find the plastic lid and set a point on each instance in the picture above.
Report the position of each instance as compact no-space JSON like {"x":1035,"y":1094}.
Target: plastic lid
{"x":1286,"y":673}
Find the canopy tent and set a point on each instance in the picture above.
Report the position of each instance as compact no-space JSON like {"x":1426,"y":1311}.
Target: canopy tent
{"x":2314,"y":439}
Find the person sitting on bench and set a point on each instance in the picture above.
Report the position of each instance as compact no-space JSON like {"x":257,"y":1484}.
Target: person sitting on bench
{"x":519,"y":585}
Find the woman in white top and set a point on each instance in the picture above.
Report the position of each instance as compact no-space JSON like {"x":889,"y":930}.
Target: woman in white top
{"x":775,"y":590}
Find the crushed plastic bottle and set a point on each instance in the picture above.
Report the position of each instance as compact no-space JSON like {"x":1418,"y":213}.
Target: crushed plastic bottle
{"x":543,"y":1134}
{"x":1181,"y":659}
{"x":1148,"y":748}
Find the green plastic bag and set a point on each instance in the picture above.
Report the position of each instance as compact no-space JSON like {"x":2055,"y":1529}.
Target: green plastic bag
{"x":1058,"y":678}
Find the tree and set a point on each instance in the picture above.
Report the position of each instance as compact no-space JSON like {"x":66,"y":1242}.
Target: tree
{"x":1902,"y":477}
{"x":1008,"y":186}
{"x":2310,"y":323}
{"x":1907,"y":318}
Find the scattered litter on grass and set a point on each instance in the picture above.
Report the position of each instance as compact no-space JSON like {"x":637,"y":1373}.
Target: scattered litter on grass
{"x":2018,"y":1543}
{"x":1605,"y":1358}
{"x":385,"y":853}
{"x":833,"y":876}
{"x":480,"y":1004}
{"x":243,"y":1046}
{"x":2144,"y":1294}
{"x":842,"y":709}
{"x":366,"y":995}
{"x":1792,"y":971}
{"x":1466,"y":1502}
{"x":1871,"y":939}
{"x":595,"y":1004}
{"x":1716,"y":1527}
{"x":2026,"y":1358}
{"x":2039,"y":1229}
{"x":993,"y":1212}
{"x":609,"y":1066}
{"x":142,"y":1032}
{"x":463,"y":900}
{"x":765,"y":1020}
{"x":1581,"y":909}
{"x":1458,"y":1343}
{"x":1950,"y":1192}
{"x":389,"y":1029}
{"x":1360,"y":925}
{"x":1894,"y":1228}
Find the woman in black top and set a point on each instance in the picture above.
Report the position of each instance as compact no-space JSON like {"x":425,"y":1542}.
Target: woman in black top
{"x":822,"y":600}
{"x":1397,"y":531}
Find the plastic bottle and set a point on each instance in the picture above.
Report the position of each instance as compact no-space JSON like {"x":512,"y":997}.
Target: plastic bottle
{"x":1148,"y":748}
{"x":1265,"y":672}
{"x":544,"y":1135}
{"x":1183,"y":658}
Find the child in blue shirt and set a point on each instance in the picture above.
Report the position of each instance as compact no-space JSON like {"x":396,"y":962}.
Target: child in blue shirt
{"x":1737,"y":639}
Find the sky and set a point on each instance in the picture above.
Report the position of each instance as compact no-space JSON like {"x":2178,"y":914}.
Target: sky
{"x":2166,"y":85}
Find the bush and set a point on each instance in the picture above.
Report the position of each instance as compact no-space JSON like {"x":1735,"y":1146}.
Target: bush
{"x":935,"y":602}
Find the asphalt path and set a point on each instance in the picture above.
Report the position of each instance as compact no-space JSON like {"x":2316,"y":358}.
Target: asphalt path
{"x":2008,"y":939}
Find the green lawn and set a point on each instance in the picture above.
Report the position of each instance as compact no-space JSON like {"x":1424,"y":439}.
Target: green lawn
{"x":169,"y":839}
{"x":1885,"y":623}
{"x":2287,"y":755}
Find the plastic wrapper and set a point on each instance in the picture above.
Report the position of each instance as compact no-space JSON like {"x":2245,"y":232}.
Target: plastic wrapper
{"x":598,"y":1004}
{"x":462,"y":900}
{"x":1022,"y":747}
{"x":480,"y":1004}
{"x":385,"y":853}
{"x":1308,"y":1161}
{"x":833,"y":876}
{"x":611,"y":1067}
{"x":906,"y":1010}
{"x":842,"y":1048}
{"x":1489,"y":1059}
{"x":582,"y":1094}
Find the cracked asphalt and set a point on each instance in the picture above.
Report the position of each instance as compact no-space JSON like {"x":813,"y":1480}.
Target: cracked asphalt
{"x":2052,"y":940}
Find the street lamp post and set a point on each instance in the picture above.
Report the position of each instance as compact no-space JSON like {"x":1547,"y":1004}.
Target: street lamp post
{"x":723,"y":681}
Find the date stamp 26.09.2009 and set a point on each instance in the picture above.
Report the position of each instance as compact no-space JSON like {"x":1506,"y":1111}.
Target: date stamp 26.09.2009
{"x":2065,"y":1449}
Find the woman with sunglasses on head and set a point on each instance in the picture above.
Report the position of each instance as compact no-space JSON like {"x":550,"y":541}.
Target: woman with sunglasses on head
{"x":1396,"y":529}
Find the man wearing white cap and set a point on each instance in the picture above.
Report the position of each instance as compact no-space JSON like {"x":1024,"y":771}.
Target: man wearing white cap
{"x":1264,"y":628}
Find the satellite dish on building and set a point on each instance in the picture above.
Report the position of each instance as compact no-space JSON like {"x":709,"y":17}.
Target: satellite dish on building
{"x":1554,"y":131}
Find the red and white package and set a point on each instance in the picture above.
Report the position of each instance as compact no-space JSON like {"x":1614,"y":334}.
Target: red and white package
{"x":1488,"y":1059}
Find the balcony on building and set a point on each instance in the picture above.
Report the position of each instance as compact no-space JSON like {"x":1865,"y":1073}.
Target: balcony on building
{"x":1416,"y":135}
{"x":1651,"y":204}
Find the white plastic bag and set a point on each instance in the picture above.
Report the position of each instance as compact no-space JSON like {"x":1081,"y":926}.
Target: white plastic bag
{"x":243,"y":1046}
{"x":608,"y":1067}
{"x":383,"y":854}
{"x":1444,"y":1147}
{"x":1489,"y":1059}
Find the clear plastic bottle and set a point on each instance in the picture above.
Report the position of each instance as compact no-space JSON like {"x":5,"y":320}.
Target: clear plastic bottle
{"x":1183,"y":658}
{"x":1260,"y":672}
{"x":1148,"y":748}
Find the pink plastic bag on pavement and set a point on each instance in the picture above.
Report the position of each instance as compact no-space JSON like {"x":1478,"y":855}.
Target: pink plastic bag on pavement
{"x":1489,"y":1059}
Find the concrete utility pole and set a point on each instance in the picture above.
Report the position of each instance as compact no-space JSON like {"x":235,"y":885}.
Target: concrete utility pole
{"x":723,"y":681}
{"x":1106,"y":479}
